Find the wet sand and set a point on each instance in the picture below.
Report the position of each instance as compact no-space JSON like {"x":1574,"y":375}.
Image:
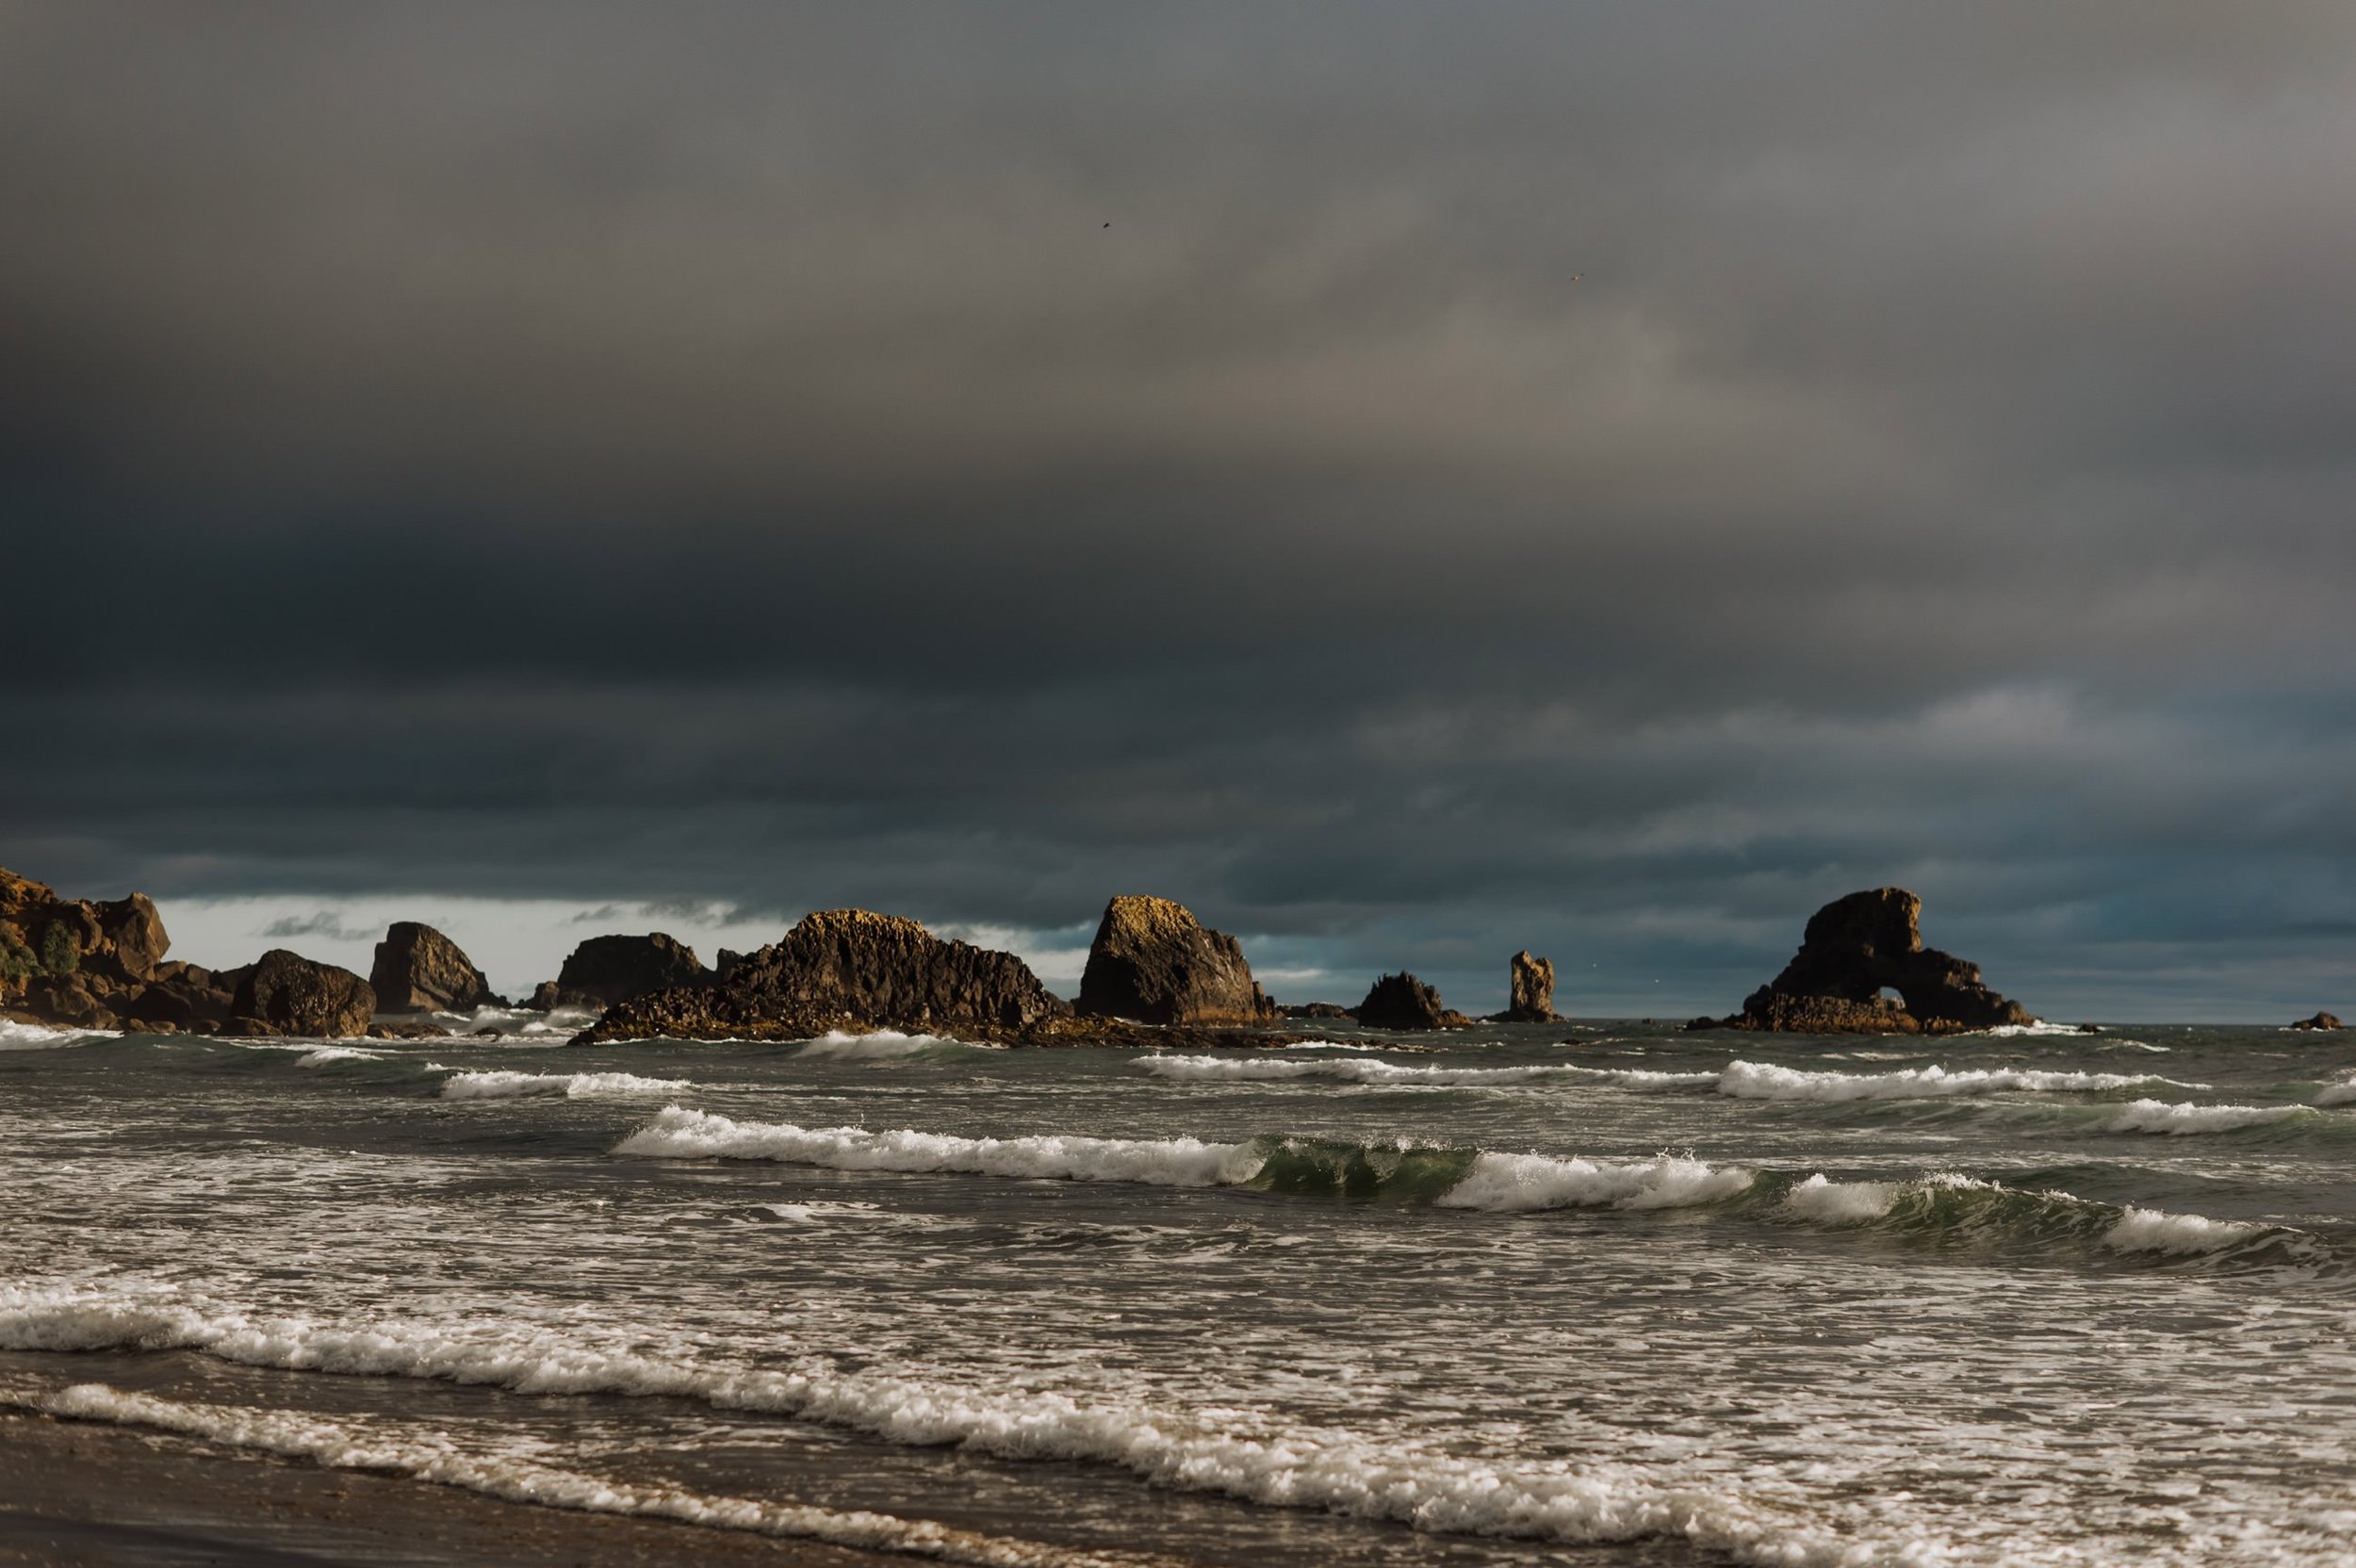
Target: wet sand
{"x":79,"y":1495}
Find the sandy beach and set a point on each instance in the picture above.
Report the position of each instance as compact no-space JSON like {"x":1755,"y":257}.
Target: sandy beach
{"x":75,"y":1495}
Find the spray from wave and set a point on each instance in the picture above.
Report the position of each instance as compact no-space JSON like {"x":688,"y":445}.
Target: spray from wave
{"x":1192,"y":1068}
{"x":1765,"y":1080}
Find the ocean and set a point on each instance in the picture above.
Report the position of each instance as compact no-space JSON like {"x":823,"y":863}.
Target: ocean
{"x":1603,"y":1294}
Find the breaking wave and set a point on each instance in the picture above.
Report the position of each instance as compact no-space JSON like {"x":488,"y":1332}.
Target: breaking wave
{"x":1382,"y":1475}
{"x":570,"y":1086}
{"x":1194,"y":1069}
{"x":1764,"y":1081}
{"x":327,"y":1054}
{"x":39,"y":1036}
{"x":836,"y":1045}
{"x":1947,"y":1207}
{"x":1451,"y":1178}
{"x":2154,"y":1115}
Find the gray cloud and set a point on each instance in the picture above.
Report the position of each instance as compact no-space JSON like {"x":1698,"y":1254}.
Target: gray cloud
{"x":726,"y":463}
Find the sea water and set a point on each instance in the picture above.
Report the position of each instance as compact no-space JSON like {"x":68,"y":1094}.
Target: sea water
{"x":1529,"y":1294}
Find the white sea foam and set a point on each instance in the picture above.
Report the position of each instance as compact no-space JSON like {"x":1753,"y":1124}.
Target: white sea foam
{"x":1764,"y":1081}
{"x":680,"y":1133}
{"x":1828,"y":1202}
{"x":1204,"y":1069}
{"x":433,"y":1458}
{"x":2038,"y":1026}
{"x":39,"y":1036}
{"x":2155,"y":1115}
{"x":571,"y":1086}
{"x":1376,"y":1476}
{"x":327,"y":1054}
{"x":1521,"y":1182}
{"x":882,"y":1043}
{"x":2338,"y":1094}
{"x":2158,"y":1231}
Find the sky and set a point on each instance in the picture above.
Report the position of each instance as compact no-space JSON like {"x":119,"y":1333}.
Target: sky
{"x":1411,"y":483}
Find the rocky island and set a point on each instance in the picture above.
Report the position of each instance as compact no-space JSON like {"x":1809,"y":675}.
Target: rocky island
{"x":1853,"y":950}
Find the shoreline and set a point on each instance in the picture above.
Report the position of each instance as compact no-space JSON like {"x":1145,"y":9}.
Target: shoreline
{"x":90,"y":1495}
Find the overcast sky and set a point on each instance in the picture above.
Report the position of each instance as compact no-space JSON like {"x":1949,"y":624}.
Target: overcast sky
{"x":1409,"y":482}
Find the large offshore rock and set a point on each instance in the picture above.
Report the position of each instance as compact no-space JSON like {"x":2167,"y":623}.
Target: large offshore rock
{"x":1531,"y":982}
{"x":606,"y":970}
{"x":2320,"y":1020}
{"x":844,"y":968}
{"x":1403,"y":1001}
{"x":1853,"y":950}
{"x":284,"y":993}
{"x":418,"y":969}
{"x":1153,"y":962}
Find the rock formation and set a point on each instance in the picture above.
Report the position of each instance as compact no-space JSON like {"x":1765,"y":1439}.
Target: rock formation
{"x":1151,"y":961}
{"x":1403,"y":1001}
{"x":1316,"y":1009}
{"x":418,"y":969}
{"x":2321,"y":1020}
{"x":1853,"y":949}
{"x":854,"y":970}
{"x":606,"y":970}
{"x":75,"y":962}
{"x":284,"y":993}
{"x":1532,"y":983}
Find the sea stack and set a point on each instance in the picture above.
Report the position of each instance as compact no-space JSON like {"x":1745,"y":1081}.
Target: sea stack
{"x":418,"y":969}
{"x":1853,"y":949}
{"x":607,"y":969}
{"x":1403,"y":1001}
{"x":2321,"y":1020}
{"x":1153,"y":962}
{"x":1532,"y":989}
{"x":284,"y":993}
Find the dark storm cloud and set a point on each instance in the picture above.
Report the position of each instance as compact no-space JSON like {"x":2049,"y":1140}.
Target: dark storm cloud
{"x":723,"y":458}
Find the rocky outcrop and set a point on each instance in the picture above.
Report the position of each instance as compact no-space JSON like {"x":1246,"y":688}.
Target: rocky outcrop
{"x":855,"y":970}
{"x":418,"y":969}
{"x":843,"y":967}
{"x":606,"y":970}
{"x":73,"y":961}
{"x":2321,"y":1020}
{"x":284,"y":993}
{"x":1403,"y":1001}
{"x":1532,"y":991}
{"x":1153,"y":962}
{"x":1332,"y":1010}
{"x":1853,"y":950}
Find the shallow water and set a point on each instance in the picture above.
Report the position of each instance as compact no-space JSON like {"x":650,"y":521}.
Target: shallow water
{"x":1541,"y":1294}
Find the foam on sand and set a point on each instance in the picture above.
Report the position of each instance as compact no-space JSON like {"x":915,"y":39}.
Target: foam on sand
{"x":1383,"y":1475}
{"x":1765,"y":1080}
{"x":569,"y":1085}
{"x":432,"y":1458}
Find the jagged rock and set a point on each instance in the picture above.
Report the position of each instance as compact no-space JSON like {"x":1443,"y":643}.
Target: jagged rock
{"x":68,"y":961}
{"x":418,"y":969}
{"x":839,"y":966}
{"x":2321,"y":1020}
{"x":1403,"y":1001}
{"x":1153,"y":962}
{"x":606,"y":970}
{"x":284,"y":993}
{"x":1333,"y":1010}
{"x":1853,"y":949}
{"x":854,"y":970}
{"x":1533,"y":990}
